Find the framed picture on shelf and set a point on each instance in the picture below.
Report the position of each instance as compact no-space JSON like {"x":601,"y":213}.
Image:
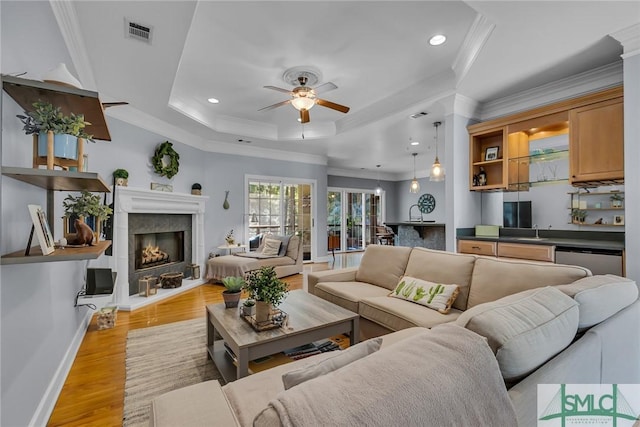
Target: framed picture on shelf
{"x":42,"y":230}
{"x":491,"y":154}
{"x":618,"y":219}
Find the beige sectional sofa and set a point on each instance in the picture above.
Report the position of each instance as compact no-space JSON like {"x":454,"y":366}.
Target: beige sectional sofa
{"x":365,"y":289}
{"x":525,"y":324}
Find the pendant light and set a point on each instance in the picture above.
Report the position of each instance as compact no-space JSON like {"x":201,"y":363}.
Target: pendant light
{"x":437,"y":170}
{"x":378,"y":187}
{"x":415,"y":185}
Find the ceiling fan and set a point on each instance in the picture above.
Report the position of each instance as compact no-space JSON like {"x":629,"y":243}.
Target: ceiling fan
{"x":303,"y":97}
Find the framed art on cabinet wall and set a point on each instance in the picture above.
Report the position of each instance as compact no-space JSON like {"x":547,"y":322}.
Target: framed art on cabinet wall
{"x":491,"y":154}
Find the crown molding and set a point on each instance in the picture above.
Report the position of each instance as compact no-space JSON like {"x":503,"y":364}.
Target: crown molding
{"x":473,"y":43}
{"x":69,"y":25}
{"x":133,"y":116}
{"x":363,"y":174}
{"x":599,"y":78}
{"x":629,"y":38}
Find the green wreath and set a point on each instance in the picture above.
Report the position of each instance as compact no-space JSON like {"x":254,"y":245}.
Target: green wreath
{"x":166,"y":149}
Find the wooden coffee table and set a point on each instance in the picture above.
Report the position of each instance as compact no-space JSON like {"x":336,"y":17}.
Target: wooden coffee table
{"x":310,"y":319}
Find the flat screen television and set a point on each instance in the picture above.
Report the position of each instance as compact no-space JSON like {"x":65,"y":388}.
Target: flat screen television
{"x":100,"y":281}
{"x":517,"y":214}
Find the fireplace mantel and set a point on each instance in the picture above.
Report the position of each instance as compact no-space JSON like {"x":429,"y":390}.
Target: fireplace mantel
{"x":139,"y":200}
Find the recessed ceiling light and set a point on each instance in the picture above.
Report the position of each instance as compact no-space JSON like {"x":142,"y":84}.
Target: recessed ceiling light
{"x":415,"y":143}
{"x":437,"y":40}
{"x":213,"y":100}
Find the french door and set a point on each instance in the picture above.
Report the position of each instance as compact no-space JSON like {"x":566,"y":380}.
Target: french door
{"x":352,"y":217}
{"x":280,"y":207}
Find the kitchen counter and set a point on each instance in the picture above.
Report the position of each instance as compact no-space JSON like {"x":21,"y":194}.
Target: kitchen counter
{"x":423,"y":234}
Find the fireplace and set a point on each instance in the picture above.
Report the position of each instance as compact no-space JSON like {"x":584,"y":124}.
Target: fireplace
{"x":158,"y":243}
{"x":172,"y":222}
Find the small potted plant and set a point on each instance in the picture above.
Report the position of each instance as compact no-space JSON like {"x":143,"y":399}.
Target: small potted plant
{"x":616,"y":200}
{"x":268,"y":291}
{"x":231,"y":295}
{"x":121,"y":176}
{"x":45,"y":120}
{"x":196,"y":189}
{"x":229,"y":238}
{"x":84,"y":206}
{"x":578,"y":215}
{"x":249,"y":307}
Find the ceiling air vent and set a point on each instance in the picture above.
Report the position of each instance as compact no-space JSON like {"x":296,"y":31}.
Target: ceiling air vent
{"x":137,"y":31}
{"x":420,"y":114}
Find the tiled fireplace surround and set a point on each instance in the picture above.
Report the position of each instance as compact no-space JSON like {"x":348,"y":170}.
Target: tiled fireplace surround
{"x":130,"y":200}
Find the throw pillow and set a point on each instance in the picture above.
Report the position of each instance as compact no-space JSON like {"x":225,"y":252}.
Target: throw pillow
{"x":342,"y":358}
{"x":271,"y":247}
{"x":436,"y":296}
{"x":525,"y":329}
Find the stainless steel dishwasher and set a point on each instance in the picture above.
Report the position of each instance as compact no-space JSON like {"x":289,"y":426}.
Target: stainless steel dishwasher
{"x":599,"y":261}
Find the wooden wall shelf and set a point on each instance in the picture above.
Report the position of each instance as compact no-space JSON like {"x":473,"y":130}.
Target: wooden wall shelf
{"x":57,"y":179}
{"x":67,"y":254}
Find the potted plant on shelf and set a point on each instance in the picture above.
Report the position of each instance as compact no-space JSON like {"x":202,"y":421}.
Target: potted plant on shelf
{"x":49,"y":123}
{"x":83,"y":207}
{"x":231,"y":295}
{"x":578,"y":215}
{"x":121,"y":176}
{"x":249,"y":307}
{"x":267,"y":290}
{"x":196,"y":189}
{"x":616,"y":200}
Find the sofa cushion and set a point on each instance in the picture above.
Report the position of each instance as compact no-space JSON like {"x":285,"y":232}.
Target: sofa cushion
{"x":443,"y":267}
{"x":292,"y":247}
{"x":496,"y":278}
{"x":600,"y":297}
{"x":271,"y":247}
{"x":282,"y":250}
{"x":396,"y":314}
{"x":526,"y":329}
{"x":348,"y":294}
{"x":383,"y":265}
{"x":436,"y":296}
{"x":337,"y":361}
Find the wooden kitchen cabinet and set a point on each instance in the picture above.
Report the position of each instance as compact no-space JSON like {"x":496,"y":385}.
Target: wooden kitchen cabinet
{"x":596,"y":143}
{"x":494,"y":168}
{"x":477,"y":247}
{"x":526,"y":251}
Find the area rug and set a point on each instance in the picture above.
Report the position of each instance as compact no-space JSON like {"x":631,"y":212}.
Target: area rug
{"x":160,"y":359}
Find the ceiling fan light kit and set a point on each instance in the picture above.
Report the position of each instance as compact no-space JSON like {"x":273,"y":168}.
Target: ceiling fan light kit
{"x":437,"y":171}
{"x":304,"y":97}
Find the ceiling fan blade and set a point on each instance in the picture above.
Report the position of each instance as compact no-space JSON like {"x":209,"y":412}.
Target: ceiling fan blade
{"x":279,"y":89}
{"x":332,"y":105}
{"x":304,"y":116}
{"x":113,"y":104}
{"x":279,"y":104}
{"x":325,"y":87}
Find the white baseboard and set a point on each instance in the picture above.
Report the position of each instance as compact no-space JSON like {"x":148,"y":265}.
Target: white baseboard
{"x":50,"y":397}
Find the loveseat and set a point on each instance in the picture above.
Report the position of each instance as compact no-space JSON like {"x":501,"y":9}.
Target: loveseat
{"x":286,"y":262}
{"x":531,"y":324}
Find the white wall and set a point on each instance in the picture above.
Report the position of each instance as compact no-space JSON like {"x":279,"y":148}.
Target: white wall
{"x":405,"y":199}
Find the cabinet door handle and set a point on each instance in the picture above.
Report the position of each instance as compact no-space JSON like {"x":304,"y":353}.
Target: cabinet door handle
{"x":475,"y":247}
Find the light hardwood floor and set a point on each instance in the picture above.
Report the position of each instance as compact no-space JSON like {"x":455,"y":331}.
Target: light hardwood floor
{"x":93,"y":393}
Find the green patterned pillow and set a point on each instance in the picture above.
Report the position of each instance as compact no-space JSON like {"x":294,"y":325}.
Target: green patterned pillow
{"x":433,"y":295}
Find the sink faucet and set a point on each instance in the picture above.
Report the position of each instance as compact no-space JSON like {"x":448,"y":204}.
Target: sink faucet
{"x":535,"y":227}
{"x":410,"y":208}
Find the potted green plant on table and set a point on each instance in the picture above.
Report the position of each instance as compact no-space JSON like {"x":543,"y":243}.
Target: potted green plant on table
{"x":229,"y":238}
{"x":249,"y":307}
{"x":231,"y":295}
{"x":85,"y":206}
{"x":52,"y":126}
{"x":121,"y":176}
{"x":267,"y":290}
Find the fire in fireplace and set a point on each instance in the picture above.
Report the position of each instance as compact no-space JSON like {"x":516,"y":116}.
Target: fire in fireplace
{"x":154,"y":249}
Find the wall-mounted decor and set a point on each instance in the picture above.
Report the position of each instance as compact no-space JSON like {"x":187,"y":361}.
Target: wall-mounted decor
{"x":162,"y":187}
{"x":165,"y":161}
{"x":225,"y":204}
{"x":42,"y":230}
{"x":426,"y":203}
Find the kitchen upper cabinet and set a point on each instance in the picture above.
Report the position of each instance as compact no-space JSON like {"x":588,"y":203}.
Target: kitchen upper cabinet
{"x":596,"y":143}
